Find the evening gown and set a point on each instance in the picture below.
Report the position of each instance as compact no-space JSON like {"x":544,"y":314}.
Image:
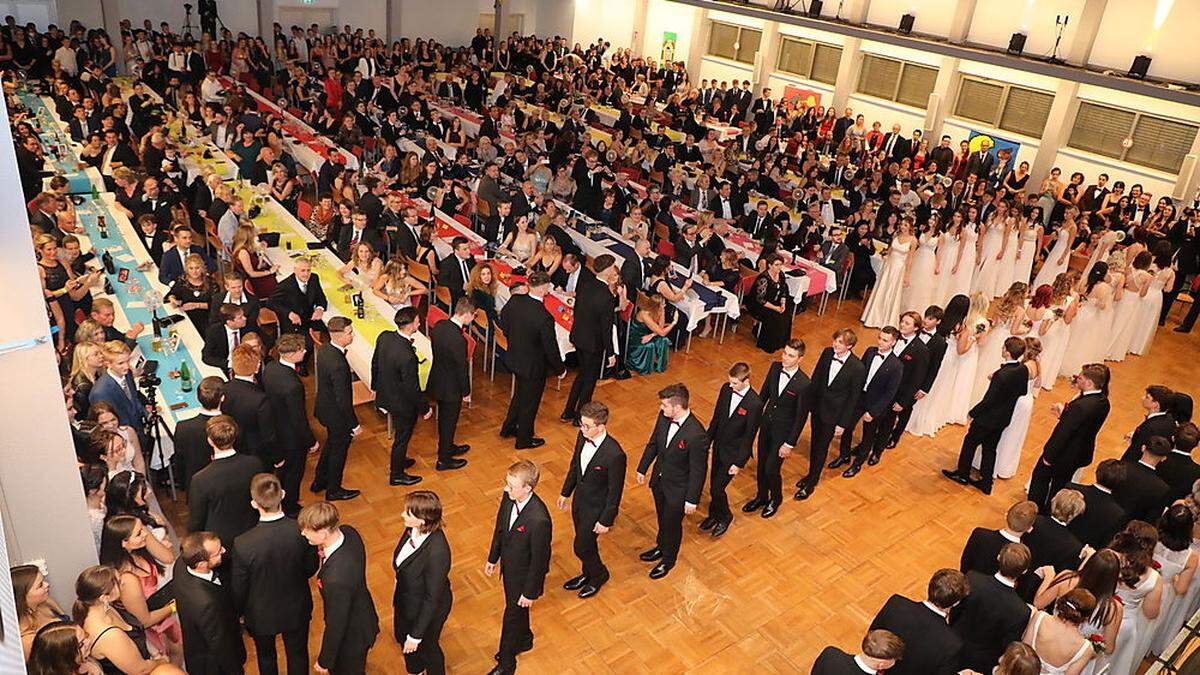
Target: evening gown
{"x":1054,"y":347}
{"x":1029,"y":249}
{"x":1145,"y":323}
{"x":775,"y":328}
{"x":1006,"y":273}
{"x":1125,"y":658}
{"x":991,"y":355}
{"x":1125,"y":314}
{"x":1170,"y":615}
{"x":944,"y":281}
{"x":959,"y":283}
{"x":931,"y":413}
{"x":1089,"y":332}
{"x":987,"y":272}
{"x":1051,"y":267}
{"x":885,"y":304}
{"x":1050,"y":669}
{"x":922,"y":286}
{"x":651,"y":357}
{"x":965,"y":365}
{"x":1008,"y":451}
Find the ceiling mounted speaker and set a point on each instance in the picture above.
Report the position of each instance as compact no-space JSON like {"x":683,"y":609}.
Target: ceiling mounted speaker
{"x":1016,"y":44}
{"x":1141,"y":64}
{"x":906,"y":23}
{"x":814,"y":8}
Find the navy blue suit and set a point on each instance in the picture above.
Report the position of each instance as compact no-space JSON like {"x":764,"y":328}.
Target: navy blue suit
{"x":876,"y":398}
{"x":129,"y":411}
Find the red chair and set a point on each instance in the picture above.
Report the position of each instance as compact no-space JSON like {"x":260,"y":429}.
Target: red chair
{"x":666,"y":248}
{"x":434,"y":315}
{"x":303,"y":210}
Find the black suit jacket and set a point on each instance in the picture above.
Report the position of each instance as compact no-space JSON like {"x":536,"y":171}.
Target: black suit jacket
{"x":334,"y":406}
{"x":1159,"y":425}
{"x":247,"y":404}
{"x":350,"y":619}
{"x":422,"y":592}
{"x":930,"y":646}
{"x":285,"y":394}
{"x":450,"y":275}
{"x":679,"y":467}
{"x":835,"y":403}
{"x":833,"y":661}
{"x":219,"y":497}
{"x":732,"y":435}
{"x":992,"y":616}
{"x":532,"y":344}
{"x":270,"y":577}
{"x":899,"y":151}
{"x":983,"y":546}
{"x":880,"y":390}
{"x":250,"y":305}
{"x":980,"y":164}
{"x":1102,"y":517}
{"x":192,"y":451}
{"x":595,"y":314}
{"x":1180,"y":472}
{"x":288,"y":298}
{"x":449,"y":376}
{"x":1073,"y":441}
{"x":1051,"y":543}
{"x":633,"y":275}
{"x":369,"y":235}
{"x":216,"y":345}
{"x":784,"y":413}
{"x":915,"y":361}
{"x":212,"y":644}
{"x":995,"y":409}
{"x":937,"y":350}
{"x":523,"y":550}
{"x":1144,"y":494}
{"x":394,"y":375}
{"x":598,"y":486}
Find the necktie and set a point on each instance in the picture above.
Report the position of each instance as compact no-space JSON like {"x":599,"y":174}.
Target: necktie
{"x":320,"y":565}
{"x":516,"y":513}
{"x":125,"y":388}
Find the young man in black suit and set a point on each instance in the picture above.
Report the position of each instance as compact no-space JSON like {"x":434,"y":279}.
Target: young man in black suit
{"x":1179,"y":470}
{"x":1144,"y":494}
{"x":930,"y":646}
{"x":1156,"y":402}
{"x":521,"y":550}
{"x":398,"y":390}
{"x":914,"y":362}
{"x":334,"y":409}
{"x":837,"y":383}
{"x":219,"y":498}
{"x":678,"y":449}
{"x":633,"y":269}
{"x":351,"y":623}
{"x":1102,"y":515}
{"x":883,"y":373}
{"x":935,"y":346}
{"x":785,"y":404}
{"x":358,"y":233}
{"x":1072,"y":444}
{"x":992,"y":615}
{"x":222,"y":337}
{"x":192,"y":451}
{"x":596,"y":479}
{"x":454,"y":271}
{"x":450,"y":380}
{"x":246,"y":402}
{"x":298,"y":300}
{"x":422,"y":600}
{"x":983,"y":546}
{"x":234,"y":293}
{"x":212,"y":642}
{"x":270,"y":580}
{"x":731,"y":431}
{"x":596,"y":311}
{"x":1051,"y":542}
{"x":285,"y":394}
{"x":532,"y":351}
{"x":991,"y":416}
{"x":881,"y":650}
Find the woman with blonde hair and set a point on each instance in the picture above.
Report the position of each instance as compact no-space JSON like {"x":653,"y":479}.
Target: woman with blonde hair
{"x":548,"y":257}
{"x":1062,"y":308}
{"x":649,"y":341}
{"x":253,"y":262}
{"x":1129,"y":285}
{"x":365,"y":264}
{"x":35,"y":607}
{"x":87,"y":363}
{"x":192,"y":291}
{"x":396,"y":286}
{"x":1006,"y":314}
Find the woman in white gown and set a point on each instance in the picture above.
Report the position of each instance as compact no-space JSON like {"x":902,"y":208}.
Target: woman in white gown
{"x":1146,"y":322}
{"x":959,"y":269}
{"x":1007,"y":272}
{"x":1006,"y":313}
{"x":1055,"y":331}
{"x":1101,"y":246}
{"x":993,"y":237}
{"x":1060,"y":254}
{"x":922,"y":280}
{"x":1098,"y":575}
{"x":884,"y":306}
{"x":975,"y":328}
{"x":1030,"y":239}
{"x":1089,"y":330}
{"x":1060,"y":646}
{"x":1140,"y":591}
{"x":1008,"y":450}
{"x":933,"y":411}
{"x":1136,"y":281}
{"x":1177,"y":565}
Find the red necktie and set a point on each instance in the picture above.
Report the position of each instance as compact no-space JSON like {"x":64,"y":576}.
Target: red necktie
{"x":320,"y":565}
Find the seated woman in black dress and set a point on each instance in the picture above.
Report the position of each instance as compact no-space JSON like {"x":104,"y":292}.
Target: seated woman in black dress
{"x":769,"y":303}
{"x":482,"y":287}
{"x":192,"y":291}
{"x":118,"y":640}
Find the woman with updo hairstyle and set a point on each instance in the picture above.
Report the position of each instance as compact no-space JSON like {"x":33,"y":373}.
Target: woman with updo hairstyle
{"x":1099,"y":576}
{"x":1177,"y":564}
{"x":35,"y":607}
{"x":95,"y":482}
{"x":61,"y":648}
{"x":1090,"y":330}
{"x":118,"y":640}
{"x":126,"y":495}
{"x":1057,"y":639}
{"x":1140,"y":591}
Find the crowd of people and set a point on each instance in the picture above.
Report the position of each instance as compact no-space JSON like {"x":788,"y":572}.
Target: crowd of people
{"x":995,"y":290}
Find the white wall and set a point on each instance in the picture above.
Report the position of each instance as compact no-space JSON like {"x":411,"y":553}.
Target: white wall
{"x":557,"y":17}
{"x":995,"y":22}
{"x":1128,"y":29}
{"x":608,"y":19}
{"x":665,"y":17}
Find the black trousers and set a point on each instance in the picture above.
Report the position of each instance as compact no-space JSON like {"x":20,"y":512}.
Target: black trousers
{"x":403,"y":423}
{"x":1189,"y":320}
{"x":350,"y":661}
{"x":291,"y":476}
{"x":986,"y":439}
{"x":523,"y":408}
{"x":587,"y":547}
{"x":295,"y":651}
{"x":1046,"y":481}
{"x":860,"y":451}
{"x":770,"y":467}
{"x":818,"y":451}
{"x":429,"y":657}
{"x":669,"y":510}
{"x":333,"y":458}
{"x":894,"y":424}
{"x":515,"y":631}
{"x":584,"y":386}
{"x":447,"y":424}
{"x":718,"y":505}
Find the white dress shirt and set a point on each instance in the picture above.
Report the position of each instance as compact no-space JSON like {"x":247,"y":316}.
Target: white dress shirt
{"x":512,"y":518}
{"x":589,"y":451}
{"x":415,"y":539}
{"x":735,"y":399}
{"x":874,"y":367}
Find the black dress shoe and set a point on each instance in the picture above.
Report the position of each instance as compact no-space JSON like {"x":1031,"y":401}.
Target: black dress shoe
{"x":508,"y":433}
{"x":874,"y":458}
{"x":707,"y":523}
{"x":1181,"y":329}
{"x":769,"y":510}
{"x":501,"y":670}
{"x":461,"y":449}
{"x":534,"y":442}
{"x":800,"y":483}
{"x":588,"y":591}
{"x":660,"y":570}
{"x":566,"y":417}
{"x":622,"y":375}
{"x":404,"y":479}
{"x":852,"y":471}
{"x":956,"y":477}
{"x":719,"y":529}
{"x":575,"y":423}
{"x":450,"y":464}
{"x":316,"y":487}
{"x":410,"y":463}
{"x":753,"y":505}
{"x":650,"y":555}
{"x":575,"y":583}
{"x":892,"y":443}
{"x":802,"y":494}
{"x":838,"y":463}
{"x":983,"y":486}
{"x":341,"y":495}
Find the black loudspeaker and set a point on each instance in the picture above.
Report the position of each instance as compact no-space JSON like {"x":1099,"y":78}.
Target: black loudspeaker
{"x":1141,"y":64}
{"x":906,"y":23}
{"x":1016,"y":44}
{"x":814,"y":8}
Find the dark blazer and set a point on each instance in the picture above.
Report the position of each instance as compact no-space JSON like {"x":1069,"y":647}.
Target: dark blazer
{"x":633,"y":275}
{"x":212,"y":644}
{"x":532,"y":345}
{"x":285,"y":394}
{"x":394,"y":375}
{"x":270,"y":577}
{"x":334,"y":406}
{"x":523,"y":550}
{"x":784,"y":413}
{"x":598,"y":486}
{"x":130,"y":411}
{"x":369,"y":235}
{"x":989,"y":618}
{"x":1180,"y":472}
{"x":595,"y":313}
{"x":1073,"y":441}
{"x":937,"y":350}
{"x":450,"y":275}
{"x":835,"y":403}
{"x":900,"y":150}
{"x":983,"y":546}
{"x":930,"y":646}
{"x":1144,"y":494}
{"x":981,"y":164}
{"x":422,"y":594}
{"x":170,"y":266}
{"x":1051,"y":543}
{"x":880,"y":390}
{"x":1158,"y":425}
{"x":216,"y":345}
{"x":219,"y":498}
{"x":250,"y":305}
{"x":1102,"y":517}
{"x":995,"y":409}
{"x":679,"y":469}
{"x":192,"y":451}
{"x":247,"y":404}
{"x":833,"y":661}
{"x":732,"y":436}
{"x":915,"y":362}
{"x":350,"y":619}
{"x":449,"y":376}
{"x":288,"y":298}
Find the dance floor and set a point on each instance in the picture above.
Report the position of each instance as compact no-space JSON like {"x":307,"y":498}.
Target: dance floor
{"x":770,"y":594}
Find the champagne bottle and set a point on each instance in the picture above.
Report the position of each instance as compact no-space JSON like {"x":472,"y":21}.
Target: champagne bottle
{"x":156,"y":340}
{"x":185,"y":377}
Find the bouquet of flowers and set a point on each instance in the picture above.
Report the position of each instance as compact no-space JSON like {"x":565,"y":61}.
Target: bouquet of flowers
{"x":1096,"y":640}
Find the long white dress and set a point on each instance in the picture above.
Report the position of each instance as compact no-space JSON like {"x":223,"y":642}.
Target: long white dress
{"x":945,"y":257}
{"x":931,"y":413}
{"x":991,"y":355}
{"x":1048,"y":668}
{"x":885,"y":304}
{"x":1029,"y":248}
{"x":1054,"y":347}
{"x":1008,"y":450}
{"x":959,"y":283}
{"x":1146,"y":322}
{"x":1125,"y":313}
{"x":988,"y":270}
{"x":1008,"y":264}
{"x":1125,"y":658}
{"x":1051,"y":267}
{"x":965,"y":365}
{"x":1089,"y":333}
{"x":921,"y":289}
{"x":1171,"y":615}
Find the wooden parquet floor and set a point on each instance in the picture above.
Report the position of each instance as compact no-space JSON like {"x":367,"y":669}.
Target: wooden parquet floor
{"x":769,"y":595}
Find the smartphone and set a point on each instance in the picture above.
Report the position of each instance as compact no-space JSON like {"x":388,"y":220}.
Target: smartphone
{"x":123,"y":275}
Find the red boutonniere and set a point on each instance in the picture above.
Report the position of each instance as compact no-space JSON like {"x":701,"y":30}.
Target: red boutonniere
{"x":741,"y":411}
{"x":599,"y":468}
{"x":906,"y":357}
{"x":520,"y":528}
{"x":681,"y":445}
{"x":1156,"y":565}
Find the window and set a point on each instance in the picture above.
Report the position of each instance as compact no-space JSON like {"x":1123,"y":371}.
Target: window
{"x":1158,"y":143}
{"x":826,"y":60}
{"x":736,"y":43}
{"x":811,"y":60}
{"x":894,"y":80}
{"x":1004,"y":106}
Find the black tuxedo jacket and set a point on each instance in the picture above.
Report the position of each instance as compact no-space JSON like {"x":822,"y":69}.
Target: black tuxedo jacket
{"x":212,"y":643}
{"x":833,"y":661}
{"x":404,"y":241}
{"x":915,"y":361}
{"x":679,"y":467}
{"x":1073,"y":441}
{"x":449,"y":376}
{"x":1144,"y":494}
{"x":1180,"y":472}
{"x":1102,"y":517}
{"x":219,"y":497}
{"x":881,"y":390}
{"x":422,"y":585}
{"x":784,"y":413}
{"x":937,"y":350}
{"x":595,"y":313}
{"x":270,"y":577}
{"x":334,"y":406}
{"x":247,"y":404}
{"x":532,"y":344}
{"x":835,"y":403}
{"x":250,"y":305}
{"x":992,"y":616}
{"x":216,"y":345}
{"x":983,"y":546}
{"x":369,"y":235}
{"x":1158,"y":425}
{"x":899,"y":151}
{"x":450,"y":274}
{"x":930,"y":646}
{"x":285,"y":395}
{"x":523,"y":550}
{"x":192,"y":451}
{"x":394,"y":375}
{"x":1051,"y":543}
{"x":633,"y":275}
{"x":995,"y":409}
{"x":598,"y":486}
{"x":288,"y":298}
{"x":981,"y":164}
{"x":732,"y":435}
{"x":350,"y":619}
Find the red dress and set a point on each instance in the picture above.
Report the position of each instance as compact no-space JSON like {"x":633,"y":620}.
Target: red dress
{"x":260,"y":287}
